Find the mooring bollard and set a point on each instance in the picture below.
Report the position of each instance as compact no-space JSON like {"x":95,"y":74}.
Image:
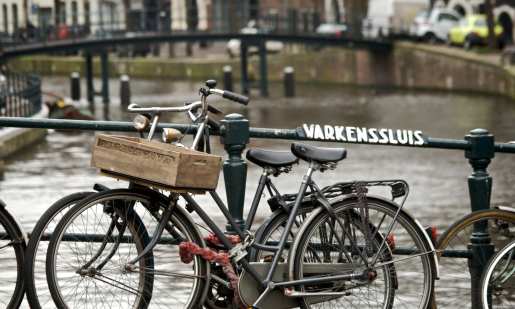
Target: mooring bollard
{"x":289,"y":82}
{"x":75,"y":86}
{"x":481,"y":152}
{"x":125,"y":90}
{"x":228,"y":78}
{"x":235,"y":138}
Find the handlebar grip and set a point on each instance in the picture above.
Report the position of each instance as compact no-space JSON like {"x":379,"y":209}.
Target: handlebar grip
{"x":236,"y":97}
{"x":100,"y":188}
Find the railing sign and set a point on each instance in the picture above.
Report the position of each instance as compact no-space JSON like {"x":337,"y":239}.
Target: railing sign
{"x":363,"y":135}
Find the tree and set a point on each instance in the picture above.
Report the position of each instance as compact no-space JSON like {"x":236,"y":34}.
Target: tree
{"x":489,"y":11}
{"x":336,"y":9}
{"x":355,"y":13}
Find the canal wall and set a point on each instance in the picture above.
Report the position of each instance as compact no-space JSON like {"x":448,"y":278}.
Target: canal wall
{"x":13,"y":140}
{"x":407,"y":66}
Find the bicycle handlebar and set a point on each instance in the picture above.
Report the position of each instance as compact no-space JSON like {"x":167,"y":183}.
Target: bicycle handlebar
{"x":233,"y":96}
{"x":135,"y":108}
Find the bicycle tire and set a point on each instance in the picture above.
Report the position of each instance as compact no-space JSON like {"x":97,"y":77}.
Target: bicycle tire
{"x":36,"y":292}
{"x":159,"y":278}
{"x":397,"y":279}
{"x":500,"y":293}
{"x":453,"y":287}
{"x":16,"y":240}
{"x":138,"y":236}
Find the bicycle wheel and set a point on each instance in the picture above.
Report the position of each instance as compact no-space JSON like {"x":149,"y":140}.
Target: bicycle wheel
{"x":395,"y":265}
{"x":85,"y":263}
{"x":147,"y":285}
{"x":12,"y":249}
{"x":38,"y":294}
{"x":498,"y":281}
{"x":452,"y":290}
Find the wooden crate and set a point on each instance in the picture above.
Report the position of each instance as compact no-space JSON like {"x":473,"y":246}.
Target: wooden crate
{"x":155,"y":163}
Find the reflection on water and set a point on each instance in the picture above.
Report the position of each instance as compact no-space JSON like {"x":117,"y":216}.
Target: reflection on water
{"x":60,"y":165}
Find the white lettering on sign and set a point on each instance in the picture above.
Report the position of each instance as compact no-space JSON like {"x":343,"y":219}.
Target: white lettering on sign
{"x":363,"y":135}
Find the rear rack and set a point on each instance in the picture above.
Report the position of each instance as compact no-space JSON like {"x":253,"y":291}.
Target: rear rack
{"x":398,"y":188}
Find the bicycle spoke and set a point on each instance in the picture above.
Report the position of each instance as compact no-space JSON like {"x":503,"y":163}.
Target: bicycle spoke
{"x":123,"y":287}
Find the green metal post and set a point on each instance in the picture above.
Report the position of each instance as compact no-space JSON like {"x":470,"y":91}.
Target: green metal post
{"x":89,"y":82}
{"x":104,"y":63}
{"x":235,"y":135}
{"x":263,"y":70}
{"x":244,"y":67}
{"x":481,"y":152}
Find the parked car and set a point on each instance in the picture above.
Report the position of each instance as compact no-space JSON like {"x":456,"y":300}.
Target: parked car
{"x":433,"y":26}
{"x":335,"y":30}
{"x":473,"y":31}
{"x":233,"y":46}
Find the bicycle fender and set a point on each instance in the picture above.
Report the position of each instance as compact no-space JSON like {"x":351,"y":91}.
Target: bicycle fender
{"x":318,"y":210}
{"x":15,"y":222}
{"x":505,"y":208}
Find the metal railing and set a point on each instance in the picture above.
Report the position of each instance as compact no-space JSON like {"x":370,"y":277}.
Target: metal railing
{"x":20,"y":94}
{"x":479,"y":147}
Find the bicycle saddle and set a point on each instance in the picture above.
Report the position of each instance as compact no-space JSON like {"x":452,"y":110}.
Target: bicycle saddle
{"x":318,"y":154}
{"x":271,"y":158}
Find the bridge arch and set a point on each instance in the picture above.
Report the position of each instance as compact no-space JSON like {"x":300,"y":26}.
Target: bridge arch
{"x":462,"y":7}
{"x":506,"y":16}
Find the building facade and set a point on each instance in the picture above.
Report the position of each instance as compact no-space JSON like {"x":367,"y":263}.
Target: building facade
{"x":12,"y":16}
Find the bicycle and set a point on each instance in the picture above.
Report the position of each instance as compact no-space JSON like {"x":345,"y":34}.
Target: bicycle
{"x":454,"y":250}
{"x":497,"y":283}
{"x":12,"y":248}
{"x":36,"y":288}
{"x":364,"y":229}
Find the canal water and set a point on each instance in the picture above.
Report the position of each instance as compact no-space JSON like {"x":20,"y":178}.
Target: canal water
{"x":60,"y":165}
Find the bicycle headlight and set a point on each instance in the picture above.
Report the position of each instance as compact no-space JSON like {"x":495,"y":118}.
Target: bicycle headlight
{"x":140,"y":123}
{"x":172,"y":135}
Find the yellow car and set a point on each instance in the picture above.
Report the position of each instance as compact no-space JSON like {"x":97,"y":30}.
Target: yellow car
{"x":473,"y":31}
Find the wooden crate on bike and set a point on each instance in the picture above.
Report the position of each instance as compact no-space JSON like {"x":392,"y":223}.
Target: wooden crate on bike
{"x":165,"y":165}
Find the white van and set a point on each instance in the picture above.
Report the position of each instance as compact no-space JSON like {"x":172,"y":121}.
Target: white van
{"x":434,"y":26}
{"x":385,"y":16}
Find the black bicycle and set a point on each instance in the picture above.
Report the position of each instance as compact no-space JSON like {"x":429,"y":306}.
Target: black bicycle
{"x":12,"y":248}
{"x":354,"y":249}
{"x":498,"y":281}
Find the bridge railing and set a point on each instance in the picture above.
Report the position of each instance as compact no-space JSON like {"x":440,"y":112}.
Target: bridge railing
{"x":292,"y":22}
{"x":20,"y":94}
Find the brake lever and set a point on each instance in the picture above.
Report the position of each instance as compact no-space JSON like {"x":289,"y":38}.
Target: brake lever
{"x":192,"y":115}
{"x":210,"y":108}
